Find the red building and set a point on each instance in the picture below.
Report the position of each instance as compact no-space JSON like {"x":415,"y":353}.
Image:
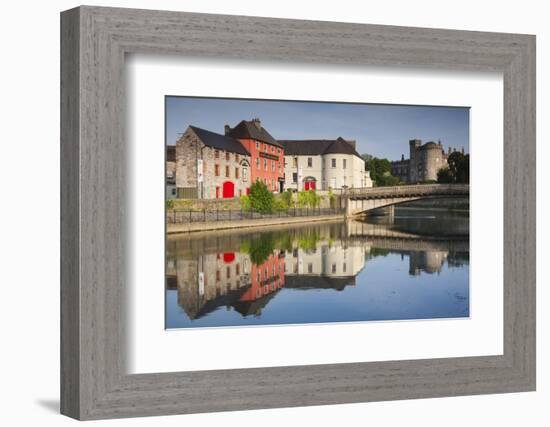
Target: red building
{"x":266,"y":154}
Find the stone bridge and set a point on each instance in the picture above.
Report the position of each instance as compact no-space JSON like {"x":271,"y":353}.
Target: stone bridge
{"x":361,"y":200}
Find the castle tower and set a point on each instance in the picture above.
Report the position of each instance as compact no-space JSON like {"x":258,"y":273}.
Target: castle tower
{"x":414,"y":145}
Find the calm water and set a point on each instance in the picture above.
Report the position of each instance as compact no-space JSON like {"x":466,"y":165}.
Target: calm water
{"x":410,"y":265}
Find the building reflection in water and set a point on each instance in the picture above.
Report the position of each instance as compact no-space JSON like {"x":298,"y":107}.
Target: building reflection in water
{"x":245,"y":271}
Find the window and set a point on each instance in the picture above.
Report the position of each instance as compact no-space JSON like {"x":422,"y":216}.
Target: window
{"x":309,"y":267}
{"x":228,"y":272}
{"x":245,"y":173}
{"x":237,"y":173}
{"x":217,"y":170}
{"x":218,"y":275}
{"x":265,"y":147}
{"x":237,"y":269}
{"x":272,"y":165}
{"x":173,"y":191}
{"x":309,"y":162}
{"x":227,"y":155}
{"x":344,"y":267}
{"x":265,"y":164}
{"x":216,"y":154}
{"x":333,"y":163}
{"x":257,"y":145}
{"x":295,"y":162}
{"x":257,"y":163}
{"x":344,"y":163}
{"x":227,"y":171}
{"x":237,"y":158}
{"x":333,"y":268}
{"x":294,"y":177}
{"x":272,"y":150}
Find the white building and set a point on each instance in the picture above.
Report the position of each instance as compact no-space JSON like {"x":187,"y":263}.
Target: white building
{"x":323,"y":164}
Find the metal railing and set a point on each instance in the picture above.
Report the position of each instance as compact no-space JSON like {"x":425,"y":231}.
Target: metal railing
{"x":183,"y":216}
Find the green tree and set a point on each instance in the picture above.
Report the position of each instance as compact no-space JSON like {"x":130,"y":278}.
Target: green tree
{"x":261,"y":199}
{"x":380,"y":172}
{"x":459,"y":167}
{"x":387,"y":180}
{"x":444,"y":176}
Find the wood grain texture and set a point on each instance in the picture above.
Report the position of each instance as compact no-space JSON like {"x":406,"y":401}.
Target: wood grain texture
{"x":95,"y":240}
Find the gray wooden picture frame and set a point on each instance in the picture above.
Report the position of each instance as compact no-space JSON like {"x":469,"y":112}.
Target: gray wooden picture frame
{"x":94,"y":41}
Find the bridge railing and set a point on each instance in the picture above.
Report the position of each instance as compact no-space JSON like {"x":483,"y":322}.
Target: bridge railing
{"x":405,"y":190}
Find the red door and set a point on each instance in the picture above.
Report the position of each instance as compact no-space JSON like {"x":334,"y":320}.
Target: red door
{"x":309,"y":185}
{"x":228,"y":190}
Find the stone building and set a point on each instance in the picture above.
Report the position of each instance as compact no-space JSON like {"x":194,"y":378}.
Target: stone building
{"x":323,"y":164}
{"x":211,"y":166}
{"x":171,"y":191}
{"x":266,"y":154}
{"x":423,"y":163}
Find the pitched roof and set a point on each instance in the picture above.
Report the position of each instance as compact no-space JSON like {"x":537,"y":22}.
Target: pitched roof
{"x":222,"y":142}
{"x":316,"y":147}
{"x":248,"y":130}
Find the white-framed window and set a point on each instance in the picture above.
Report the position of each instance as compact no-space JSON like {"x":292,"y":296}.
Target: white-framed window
{"x":309,"y":162}
{"x":333,"y":163}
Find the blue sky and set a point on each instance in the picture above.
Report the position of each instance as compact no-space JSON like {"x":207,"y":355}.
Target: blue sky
{"x":380,"y":130}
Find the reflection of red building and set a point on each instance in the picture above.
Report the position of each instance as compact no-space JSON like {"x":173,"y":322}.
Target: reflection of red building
{"x":266,"y":154}
{"x":265,"y":278}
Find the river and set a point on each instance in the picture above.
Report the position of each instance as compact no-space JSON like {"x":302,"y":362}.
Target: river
{"x":411,"y":264}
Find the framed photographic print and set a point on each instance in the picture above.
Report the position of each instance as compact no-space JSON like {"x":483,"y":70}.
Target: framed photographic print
{"x":285,"y":213}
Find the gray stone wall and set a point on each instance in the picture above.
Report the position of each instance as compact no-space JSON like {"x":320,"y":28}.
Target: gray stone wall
{"x":189,"y":149}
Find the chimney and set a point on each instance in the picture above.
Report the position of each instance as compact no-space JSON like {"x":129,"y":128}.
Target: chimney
{"x":402,"y":157}
{"x":449,"y":150}
{"x":227,"y":129}
{"x":462,"y":150}
{"x":257,"y":123}
{"x":439,"y":142}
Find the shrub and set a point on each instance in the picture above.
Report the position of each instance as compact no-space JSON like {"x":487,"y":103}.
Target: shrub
{"x":331,"y":198}
{"x":261,"y":199}
{"x":245,"y":203}
{"x":170,"y":204}
{"x":286,"y":197}
{"x":308,"y":198}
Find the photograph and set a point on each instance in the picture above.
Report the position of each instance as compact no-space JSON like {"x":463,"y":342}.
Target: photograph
{"x":286,"y":212}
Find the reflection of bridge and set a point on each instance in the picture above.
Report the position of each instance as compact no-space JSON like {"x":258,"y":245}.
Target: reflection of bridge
{"x":359,"y":200}
{"x":382,"y":236}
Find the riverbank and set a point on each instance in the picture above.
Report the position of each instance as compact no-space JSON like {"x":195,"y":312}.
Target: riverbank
{"x":247,"y":223}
